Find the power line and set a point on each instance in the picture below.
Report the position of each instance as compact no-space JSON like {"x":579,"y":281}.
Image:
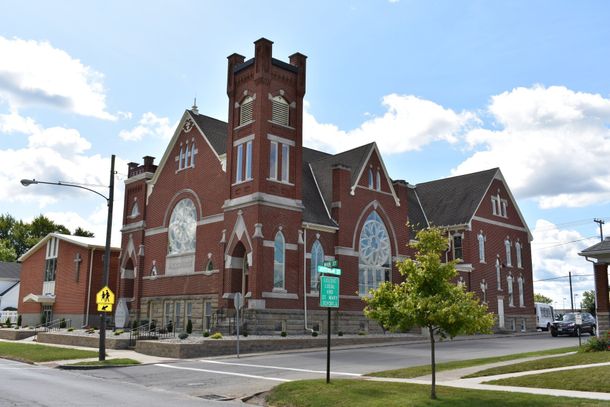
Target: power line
{"x":564,"y":243}
{"x":560,"y":277}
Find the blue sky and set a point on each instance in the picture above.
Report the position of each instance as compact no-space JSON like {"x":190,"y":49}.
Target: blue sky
{"x":443,"y":87}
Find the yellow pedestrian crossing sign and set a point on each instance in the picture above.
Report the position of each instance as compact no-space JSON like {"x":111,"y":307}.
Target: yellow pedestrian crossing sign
{"x":105,"y":296}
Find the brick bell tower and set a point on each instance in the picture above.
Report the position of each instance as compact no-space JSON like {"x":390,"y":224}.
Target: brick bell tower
{"x":264,"y":164}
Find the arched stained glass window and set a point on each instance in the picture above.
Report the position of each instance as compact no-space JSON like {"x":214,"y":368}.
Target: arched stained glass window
{"x":481,"y":239}
{"x":317,"y":259}
{"x":182,"y":227}
{"x":374,"y":254}
{"x":279,"y":248}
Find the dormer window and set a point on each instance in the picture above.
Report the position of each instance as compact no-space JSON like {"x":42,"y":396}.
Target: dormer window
{"x":245,"y":110}
{"x":280,"y":111}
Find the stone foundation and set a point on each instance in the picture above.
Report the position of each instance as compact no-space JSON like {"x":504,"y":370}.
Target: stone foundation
{"x":92,"y":341}
{"x":11,"y":334}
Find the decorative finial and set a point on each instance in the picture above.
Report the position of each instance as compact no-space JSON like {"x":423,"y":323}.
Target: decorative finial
{"x":194,"y":108}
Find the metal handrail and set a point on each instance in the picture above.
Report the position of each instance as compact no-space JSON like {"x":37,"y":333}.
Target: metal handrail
{"x":51,"y":325}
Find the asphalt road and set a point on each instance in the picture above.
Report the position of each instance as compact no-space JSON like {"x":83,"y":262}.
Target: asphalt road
{"x":236,"y":378}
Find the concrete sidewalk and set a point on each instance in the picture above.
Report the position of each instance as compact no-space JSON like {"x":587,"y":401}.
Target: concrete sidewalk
{"x":453,"y":378}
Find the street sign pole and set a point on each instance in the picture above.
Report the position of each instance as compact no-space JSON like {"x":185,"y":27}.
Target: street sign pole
{"x":237,"y":302}
{"x":328,"y":348}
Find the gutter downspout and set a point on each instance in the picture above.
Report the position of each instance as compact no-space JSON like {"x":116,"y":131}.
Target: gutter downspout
{"x":305,"y":278}
{"x":89,"y":288}
{"x":595,"y":296}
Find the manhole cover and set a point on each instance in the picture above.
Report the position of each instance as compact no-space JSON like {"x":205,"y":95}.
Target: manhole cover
{"x":215,"y":397}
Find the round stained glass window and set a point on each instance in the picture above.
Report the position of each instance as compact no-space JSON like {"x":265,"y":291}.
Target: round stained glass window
{"x":374,"y":242}
{"x":182,"y":227}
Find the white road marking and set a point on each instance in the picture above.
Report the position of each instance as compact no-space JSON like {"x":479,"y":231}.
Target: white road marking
{"x":226,"y":373}
{"x":279,"y":368}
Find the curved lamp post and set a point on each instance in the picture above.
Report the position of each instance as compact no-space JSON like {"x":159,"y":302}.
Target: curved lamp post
{"x":109,"y":201}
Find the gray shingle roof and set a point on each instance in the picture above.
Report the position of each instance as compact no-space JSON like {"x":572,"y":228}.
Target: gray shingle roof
{"x":415,"y":213}
{"x":215,"y":130}
{"x":602,"y":247}
{"x":353,"y":159}
{"x":454,"y":200}
{"x":10,"y":270}
{"x":314,"y":211}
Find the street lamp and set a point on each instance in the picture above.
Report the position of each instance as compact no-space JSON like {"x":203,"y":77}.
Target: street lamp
{"x":109,"y":201}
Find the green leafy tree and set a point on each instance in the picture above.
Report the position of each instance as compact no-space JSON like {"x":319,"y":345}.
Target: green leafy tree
{"x":42,"y":226}
{"x":82,"y":232}
{"x":542,"y":298}
{"x":7,"y":252}
{"x":588,"y":302}
{"x":428,"y":297}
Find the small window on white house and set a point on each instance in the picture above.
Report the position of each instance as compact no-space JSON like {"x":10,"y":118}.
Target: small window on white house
{"x":507,"y":245}
{"x":481,"y":239}
{"x":378,"y":186}
{"x":245,"y":110}
{"x":518,"y":254}
{"x":371,"y":180}
{"x":279,"y":111}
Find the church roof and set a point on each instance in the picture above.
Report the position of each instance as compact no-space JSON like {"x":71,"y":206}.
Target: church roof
{"x":454,"y":200}
{"x":415,"y":213}
{"x":215,"y":130}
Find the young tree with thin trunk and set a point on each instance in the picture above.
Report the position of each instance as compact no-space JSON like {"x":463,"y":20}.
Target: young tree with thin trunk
{"x":428,"y":297}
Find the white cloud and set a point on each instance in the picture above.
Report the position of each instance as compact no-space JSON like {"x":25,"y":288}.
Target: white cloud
{"x":546,"y":136}
{"x":554,"y":256}
{"x":149,"y":126}
{"x":15,"y":123}
{"x":35,"y":73}
{"x":408,"y":124}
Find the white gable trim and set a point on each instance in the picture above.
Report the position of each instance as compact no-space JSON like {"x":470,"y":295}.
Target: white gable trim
{"x":385,"y":173}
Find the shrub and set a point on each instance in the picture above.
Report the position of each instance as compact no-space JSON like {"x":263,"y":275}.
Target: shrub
{"x":362,"y":333}
{"x":340,"y":333}
{"x":283,"y":334}
{"x":245,"y":333}
{"x":19,"y":320}
{"x":206,"y":334}
{"x":216,"y":335}
{"x":183,"y":335}
{"x":119,"y":331}
{"x":90,"y":330}
{"x":170,"y":326}
{"x":314,"y":333}
{"x":596,"y":344}
{"x":153,"y":326}
{"x":62,"y":323}
{"x":189,"y":327}
{"x":71,"y":329}
{"x":8,"y":322}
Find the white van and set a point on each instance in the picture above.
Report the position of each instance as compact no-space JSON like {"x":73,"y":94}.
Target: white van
{"x":544,"y":316}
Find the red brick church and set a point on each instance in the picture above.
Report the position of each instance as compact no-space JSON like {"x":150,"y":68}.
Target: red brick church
{"x":244,"y":207}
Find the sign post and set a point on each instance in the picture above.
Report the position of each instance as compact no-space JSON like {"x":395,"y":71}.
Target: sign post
{"x":104,"y":300}
{"x":238,"y":303}
{"x":329,"y":298}
{"x":578,"y":323}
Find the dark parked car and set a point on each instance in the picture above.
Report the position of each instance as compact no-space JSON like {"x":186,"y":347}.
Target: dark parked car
{"x":567,"y":325}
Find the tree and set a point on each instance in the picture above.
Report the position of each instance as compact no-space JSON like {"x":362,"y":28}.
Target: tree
{"x":428,"y":297}
{"x":588,"y":302}
{"x":542,"y":298}
{"x":82,"y":232}
{"x":7,"y":253}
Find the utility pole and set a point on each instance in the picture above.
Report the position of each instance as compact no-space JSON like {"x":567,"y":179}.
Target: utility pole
{"x":571,"y":295}
{"x":601,"y":230}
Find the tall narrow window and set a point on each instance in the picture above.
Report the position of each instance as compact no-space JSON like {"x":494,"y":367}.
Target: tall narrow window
{"x":245,"y":111}
{"x":285,"y":162}
{"x":374,"y":259}
{"x":249,"y":160}
{"x":498,"y":277}
{"x":371,"y":181}
{"x":273,"y":161}
{"x":494,"y":205}
{"x":504,"y":205}
{"x":193,"y":151}
{"x":520,"y":284}
{"x":481,"y":239}
{"x":178,"y":316}
{"x":457,"y":247}
{"x":50,"y":268}
{"x":167,"y":315}
{"x":518,"y":254}
{"x":378,"y":186}
{"x":279,"y":110}
{"x":187,"y":156}
{"x":508,"y":254}
{"x":239,"y":177}
{"x":317,"y":259}
{"x":181,"y":158}
{"x":279,"y":249}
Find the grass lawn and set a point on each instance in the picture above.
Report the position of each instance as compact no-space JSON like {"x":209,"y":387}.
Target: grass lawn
{"x":360,"y":393}
{"x":588,"y":379}
{"x":41,"y":353}
{"x":108,"y":362}
{"x":416,"y":371}
{"x":581,"y":358}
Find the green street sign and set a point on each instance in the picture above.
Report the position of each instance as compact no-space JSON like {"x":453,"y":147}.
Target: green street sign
{"x":329,"y":292}
{"x":331,"y":263}
{"x":328,"y":270}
